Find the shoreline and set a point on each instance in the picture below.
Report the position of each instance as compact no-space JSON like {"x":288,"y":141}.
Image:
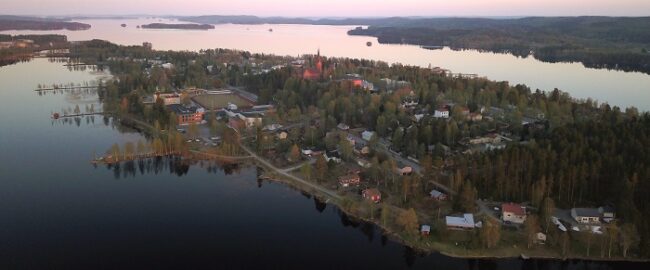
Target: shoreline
{"x":419,"y":248}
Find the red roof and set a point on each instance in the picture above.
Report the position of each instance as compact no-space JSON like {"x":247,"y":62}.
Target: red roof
{"x":311,"y":74}
{"x":513,"y":208}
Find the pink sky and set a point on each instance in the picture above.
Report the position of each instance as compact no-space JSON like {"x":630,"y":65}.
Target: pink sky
{"x":339,"y":8}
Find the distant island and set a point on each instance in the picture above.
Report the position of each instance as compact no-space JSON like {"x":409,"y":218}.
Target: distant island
{"x":8,"y":23}
{"x":185,"y":26}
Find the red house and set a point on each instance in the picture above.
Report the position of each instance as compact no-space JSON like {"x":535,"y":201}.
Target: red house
{"x":351,"y":179}
{"x":372,"y":194}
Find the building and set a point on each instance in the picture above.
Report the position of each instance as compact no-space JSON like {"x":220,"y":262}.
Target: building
{"x":372,"y":194}
{"x":251,"y":118}
{"x":466,"y":222}
{"x":492,"y":138}
{"x":607,"y":213}
{"x":586,"y":215}
{"x":514,"y":213}
{"x":282,"y":135}
{"x":437,"y":195}
{"x":349,"y":180}
{"x":187,"y":115}
{"x":343,"y":127}
{"x":441,"y":113}
{"x":147,"y":45}
{"x":332,"y":156}
{"x":425,"y":230}
{"x":367,"y":135}
{"x":406,"y":170}
{"x":168,"y":98}
{"x":315,"y":72}
{"x":540,"y":238}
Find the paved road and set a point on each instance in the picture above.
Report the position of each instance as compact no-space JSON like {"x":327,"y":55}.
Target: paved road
{"x":261,"y":160}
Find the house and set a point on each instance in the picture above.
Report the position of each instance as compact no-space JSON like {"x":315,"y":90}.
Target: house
{"x":586,"y":215}
{"x":514,"y":213}
{"x":607,"y":213}
{"x":187,"y":115}
{"x":441,"y":113}
{"x":425,"y":230}
{"x":167,"y":66}
{"x":332,"y":156}
{"x":460,"y":223}
{"x":349,"y":180}
{"x":367,"y":135}
{"x":364,"y":163}
{"x":343,"y":127}
{"x":372,"y":194}
{"x":540,"y":238}
{"x":282,"y":135}
{"x":437,"y":195}
{"x":406,"y":170}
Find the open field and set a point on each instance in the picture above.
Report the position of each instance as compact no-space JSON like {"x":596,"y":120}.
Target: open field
{"x":219,"y":101}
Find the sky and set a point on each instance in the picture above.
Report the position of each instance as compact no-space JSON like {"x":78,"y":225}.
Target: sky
{"x":330,"y":8}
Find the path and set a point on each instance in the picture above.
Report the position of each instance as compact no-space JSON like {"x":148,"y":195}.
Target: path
{"x":290,"y":176}
{"x":295,"y":167}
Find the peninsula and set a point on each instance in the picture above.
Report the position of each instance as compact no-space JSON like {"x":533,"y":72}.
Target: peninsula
{"x":461,"y":165}
{"x":39,"y":24}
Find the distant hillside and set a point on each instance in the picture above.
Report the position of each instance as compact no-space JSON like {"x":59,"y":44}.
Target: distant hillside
{"x":186,"y":26}
{"x":8,"y":22}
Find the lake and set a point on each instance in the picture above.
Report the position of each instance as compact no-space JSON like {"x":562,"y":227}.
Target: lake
{"x":618,"y":88}
{"x":57,"y":211}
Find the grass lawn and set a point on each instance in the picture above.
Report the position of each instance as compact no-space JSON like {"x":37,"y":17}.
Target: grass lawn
{"x":221,"y":101}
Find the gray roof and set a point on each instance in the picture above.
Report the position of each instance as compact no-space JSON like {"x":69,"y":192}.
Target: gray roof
{"x":586,"y":212}
{"x":435,"y":194}
{"x":467,"y":221}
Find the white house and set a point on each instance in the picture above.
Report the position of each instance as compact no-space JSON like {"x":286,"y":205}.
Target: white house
{"x":441,"y":113}
{"x":586,"y":215}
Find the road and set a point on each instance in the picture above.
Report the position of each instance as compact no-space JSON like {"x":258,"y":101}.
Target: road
{"x":298,"y":166}
{"x":268,"y":165}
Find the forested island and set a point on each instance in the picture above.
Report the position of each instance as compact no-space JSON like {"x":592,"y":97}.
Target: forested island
{"x":39,"y":24}
{"x":377,"y":140}
{"x":183,"y":26}
{"x":597,"y":42}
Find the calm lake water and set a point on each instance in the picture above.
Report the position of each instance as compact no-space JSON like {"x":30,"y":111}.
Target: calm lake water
{"x":614,"y":87}
{"x":57,"y":211}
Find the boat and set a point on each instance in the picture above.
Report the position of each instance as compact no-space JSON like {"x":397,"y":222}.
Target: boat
{"x":431,"y":47}
{"x":524,"y":256}
{"x":55,"y":115}
{"x":123,"y":25}
{"x":270,"y":29}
